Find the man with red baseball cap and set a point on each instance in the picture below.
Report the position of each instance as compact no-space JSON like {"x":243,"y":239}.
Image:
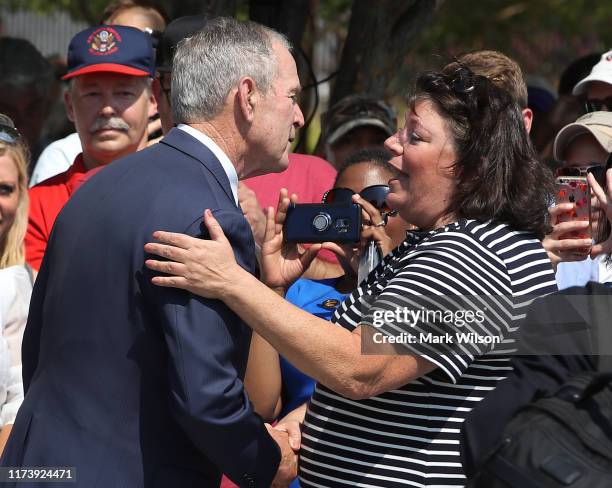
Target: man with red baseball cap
{"x":109,"y":99}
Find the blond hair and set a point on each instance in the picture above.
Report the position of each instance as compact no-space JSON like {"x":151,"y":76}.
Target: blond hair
{"x":12,"y":249}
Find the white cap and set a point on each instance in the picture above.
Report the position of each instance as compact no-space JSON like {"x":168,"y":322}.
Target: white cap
{"x":602,"y":71}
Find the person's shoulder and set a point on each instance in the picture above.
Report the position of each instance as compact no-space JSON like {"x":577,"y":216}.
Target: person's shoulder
{"x":502,"y":239}
{"x":13,"y":280}
{"x":305,"y":291}
{"x":71,"y":144}
{"x":462,"y":244}
{"x":461,"y":232}
{"x":52,"y":186}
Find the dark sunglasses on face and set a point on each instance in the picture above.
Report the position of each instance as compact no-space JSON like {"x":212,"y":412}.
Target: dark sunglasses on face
{"x":595,"y":105}
{"x":9,"y":135}
{"x":596,"y":169}
{"x":375,"y":194}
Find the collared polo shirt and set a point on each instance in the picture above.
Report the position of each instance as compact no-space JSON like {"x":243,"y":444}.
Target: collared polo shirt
{"x":46,"y":201}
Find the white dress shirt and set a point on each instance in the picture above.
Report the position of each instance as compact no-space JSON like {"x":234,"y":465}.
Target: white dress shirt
{"x":229,"y":168}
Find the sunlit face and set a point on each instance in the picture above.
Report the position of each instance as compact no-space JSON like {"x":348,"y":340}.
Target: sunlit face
{"x":360,"y":176}
{"x":277,"y":115}
{"x":424,"y":154}
{"x":110,"y":112}
{"x":9,"y":194}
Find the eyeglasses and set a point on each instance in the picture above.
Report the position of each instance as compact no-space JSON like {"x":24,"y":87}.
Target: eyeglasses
{"x":9,"y":135}
{"x":595,"y":105}
{"x":598,"y":170}
{"x":375,"y":194}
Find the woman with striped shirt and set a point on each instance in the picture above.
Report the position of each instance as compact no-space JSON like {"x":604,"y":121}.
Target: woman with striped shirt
{"x":469,"y":180}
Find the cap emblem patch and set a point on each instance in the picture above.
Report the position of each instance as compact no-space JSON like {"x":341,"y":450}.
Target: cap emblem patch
{"x":104,"y":41}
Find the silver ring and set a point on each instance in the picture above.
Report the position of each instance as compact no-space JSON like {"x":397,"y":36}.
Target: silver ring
{"x":380,"y":224}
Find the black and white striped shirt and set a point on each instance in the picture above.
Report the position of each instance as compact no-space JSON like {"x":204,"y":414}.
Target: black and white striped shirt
{"x":410,"y":436}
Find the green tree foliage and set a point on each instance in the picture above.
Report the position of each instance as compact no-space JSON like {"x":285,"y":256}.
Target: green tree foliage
{"x":544,"y":36}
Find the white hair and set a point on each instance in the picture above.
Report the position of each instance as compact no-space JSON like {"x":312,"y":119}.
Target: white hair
{"x":209,"y":64}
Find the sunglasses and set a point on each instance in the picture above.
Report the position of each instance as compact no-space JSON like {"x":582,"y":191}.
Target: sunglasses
{"x":597,"y":170}
{"x":375,"y":194}
{"x":9,"y":135}
{"x":461,"y":81}
{"x":594,"y":105}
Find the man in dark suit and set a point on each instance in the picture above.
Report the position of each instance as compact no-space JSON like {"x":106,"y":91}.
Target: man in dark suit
{"x":137,"y":385}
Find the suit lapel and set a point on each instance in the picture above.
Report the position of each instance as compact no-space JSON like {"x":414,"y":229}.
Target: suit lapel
{"x":187,"y":144}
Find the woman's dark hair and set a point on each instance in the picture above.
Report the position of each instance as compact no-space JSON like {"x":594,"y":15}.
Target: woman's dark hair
{"x":498,"y":175}
{"x":375,"y":156}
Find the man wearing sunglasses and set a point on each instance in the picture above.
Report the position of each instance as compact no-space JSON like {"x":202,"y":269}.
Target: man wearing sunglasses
{"x":596,"y":88}
{"x":582,"y":147}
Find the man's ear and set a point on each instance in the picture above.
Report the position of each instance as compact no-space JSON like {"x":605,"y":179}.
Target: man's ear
{"x":247,"y":97}
{"x":528,"y":118}
{"x":152,"y":101}
{"x":68,"y":105}
{"x":157,"y":89}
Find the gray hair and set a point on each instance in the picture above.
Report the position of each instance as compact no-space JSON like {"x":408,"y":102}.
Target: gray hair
{"x":209,"y":64}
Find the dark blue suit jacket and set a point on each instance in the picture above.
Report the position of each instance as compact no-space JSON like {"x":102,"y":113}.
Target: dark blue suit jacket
{"x":133,"y":384}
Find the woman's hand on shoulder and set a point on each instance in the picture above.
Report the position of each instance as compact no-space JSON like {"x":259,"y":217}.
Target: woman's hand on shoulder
{"x":203,"y":267}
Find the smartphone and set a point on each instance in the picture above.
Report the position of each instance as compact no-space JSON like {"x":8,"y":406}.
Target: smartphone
{"x":576,"y":190}
{"x":320,"y":222}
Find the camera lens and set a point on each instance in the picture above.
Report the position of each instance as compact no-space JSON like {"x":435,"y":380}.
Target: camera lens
{"x":321,"y":222}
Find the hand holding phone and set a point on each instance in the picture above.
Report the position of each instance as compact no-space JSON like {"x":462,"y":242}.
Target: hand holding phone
{"x":575,"y":190}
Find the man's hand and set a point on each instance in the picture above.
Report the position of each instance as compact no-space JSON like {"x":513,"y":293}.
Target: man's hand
{"x":287,"y":468}
{"x":252,"y":212}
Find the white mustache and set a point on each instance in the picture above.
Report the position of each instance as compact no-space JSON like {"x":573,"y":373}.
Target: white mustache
{"x":116,"y":123}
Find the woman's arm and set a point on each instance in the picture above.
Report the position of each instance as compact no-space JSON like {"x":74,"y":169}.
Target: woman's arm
{"x":292,"y":424}
{"x":4,"y":436}
{"x":263,"y":378}
{"x":329,"y":354}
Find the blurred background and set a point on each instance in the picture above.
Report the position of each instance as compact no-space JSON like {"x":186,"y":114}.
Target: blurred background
{"x":365,"y":46}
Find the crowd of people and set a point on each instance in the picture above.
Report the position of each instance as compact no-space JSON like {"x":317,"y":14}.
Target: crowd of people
{"x":159,"y":330}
